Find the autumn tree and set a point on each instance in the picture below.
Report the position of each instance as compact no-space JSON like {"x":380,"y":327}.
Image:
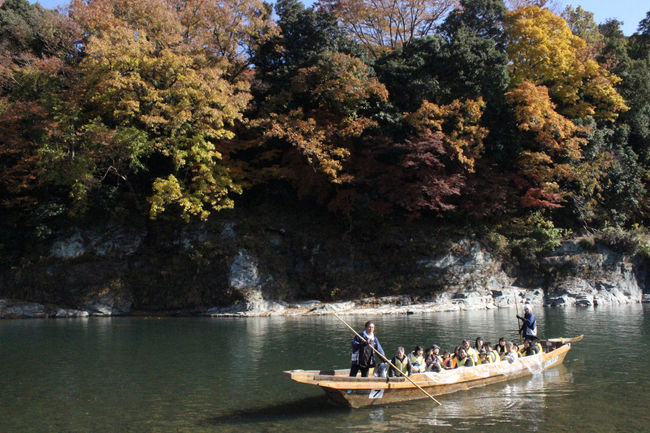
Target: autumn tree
{"x":380,"y":25}
{"x":582,"y":24}
{"x":145,"y":92}
{"x":542,"y":49}
{"x":551,"y":5}
{"x":551,"y":145}
{"x":36,"y":54}
{"x":335,"y":99}
{"x":226,"y":29}
{"x":312,"y":97}
{"x":423,"y":169}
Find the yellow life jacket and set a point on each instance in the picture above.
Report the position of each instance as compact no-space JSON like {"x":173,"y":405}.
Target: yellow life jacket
{"x":539,"y":347}
{"x":402,"y":365}
{"x":473,"y":353}
{"x":463,"y":362}
{"x":417,"y":362}
{"x":492,"y":357}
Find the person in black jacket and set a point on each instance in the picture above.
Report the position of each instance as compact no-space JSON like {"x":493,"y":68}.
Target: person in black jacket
{"x":363,"y":357}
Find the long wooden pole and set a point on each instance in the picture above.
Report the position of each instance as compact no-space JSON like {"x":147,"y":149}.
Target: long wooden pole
{"x":386,"y":359}
{"x":518,"y":328}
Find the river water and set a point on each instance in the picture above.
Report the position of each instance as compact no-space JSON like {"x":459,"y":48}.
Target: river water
{"x":225,"y":375}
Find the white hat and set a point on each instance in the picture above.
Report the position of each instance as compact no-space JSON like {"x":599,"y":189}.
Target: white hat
{"x":527,"y":307}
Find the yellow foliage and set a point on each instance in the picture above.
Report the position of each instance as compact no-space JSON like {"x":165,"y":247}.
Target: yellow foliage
{"x":542,"y":49}
{"x":144,"y":69}
{"x":535,"y":113}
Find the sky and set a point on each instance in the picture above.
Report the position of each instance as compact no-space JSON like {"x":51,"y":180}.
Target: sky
{"x":628,"y":11}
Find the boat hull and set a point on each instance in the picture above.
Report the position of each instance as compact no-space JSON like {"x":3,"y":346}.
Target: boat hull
{"x":357,"y":392}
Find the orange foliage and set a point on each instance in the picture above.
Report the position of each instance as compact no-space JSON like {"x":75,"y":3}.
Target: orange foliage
{"x":458,"y":122}
{"x":338,"y":90}
{"x":553,"y":143}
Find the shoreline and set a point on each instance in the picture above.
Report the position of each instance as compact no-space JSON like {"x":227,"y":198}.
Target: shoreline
{"x":407,"y":305}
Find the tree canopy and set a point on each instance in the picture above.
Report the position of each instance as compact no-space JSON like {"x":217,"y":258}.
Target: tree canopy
{"x":427,"y":109}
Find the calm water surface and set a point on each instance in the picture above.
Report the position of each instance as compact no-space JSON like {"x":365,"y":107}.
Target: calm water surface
{"x":224,"y":375}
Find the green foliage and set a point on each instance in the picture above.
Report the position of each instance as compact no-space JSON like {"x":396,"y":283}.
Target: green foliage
{"x":582,"y":25}
{"x":532,"y":236}
{"x":619,"y":240}
{"x":466,"y":61}
{"x":30,"y":29}
{"x":644,"y":248}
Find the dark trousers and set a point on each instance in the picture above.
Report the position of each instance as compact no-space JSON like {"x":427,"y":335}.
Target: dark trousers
{"x":356,"y":368}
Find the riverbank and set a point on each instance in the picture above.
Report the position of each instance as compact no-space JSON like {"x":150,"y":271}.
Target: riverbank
{"x":269,"y":261}
{"x":11,"y":309}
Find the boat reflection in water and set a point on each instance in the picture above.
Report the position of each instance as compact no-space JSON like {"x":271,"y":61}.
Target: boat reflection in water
{"x":493,"y":405}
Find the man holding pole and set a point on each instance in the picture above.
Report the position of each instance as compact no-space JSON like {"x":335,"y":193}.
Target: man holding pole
{"x":363,"y":355}
{"x":529,"y":325}
{"x":381,"y":355}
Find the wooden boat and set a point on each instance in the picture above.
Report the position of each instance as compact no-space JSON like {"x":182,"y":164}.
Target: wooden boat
{"x":358,"y":392}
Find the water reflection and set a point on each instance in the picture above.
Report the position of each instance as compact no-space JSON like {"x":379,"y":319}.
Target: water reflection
{"x":224,"y":375}
{"x":486,"y":407}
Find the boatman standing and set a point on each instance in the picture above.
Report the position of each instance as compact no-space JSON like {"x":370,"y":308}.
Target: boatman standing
{"x":363,"y":357}
{"x":529,"y":325}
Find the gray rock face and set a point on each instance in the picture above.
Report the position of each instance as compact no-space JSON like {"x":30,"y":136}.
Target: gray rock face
{"x":31,"y":310}
{"x":111,"y":240}
{"x":590,"y":278}
{"x":245,"y":278}
{"x":109,"y":305}
{"x":467,"y":268}
{"x":103,"y":270}
{"x":243,"y":272}
{"x":69,"y":248}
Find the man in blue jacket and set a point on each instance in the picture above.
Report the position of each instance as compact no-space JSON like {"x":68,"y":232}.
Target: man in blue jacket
{"x":529,"y":326}
{"x":363,"y":357}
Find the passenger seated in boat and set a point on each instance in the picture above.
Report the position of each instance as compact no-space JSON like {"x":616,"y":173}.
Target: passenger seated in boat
{"x":517,"y":349}
{"x":381,"y":370}
{"x":492,"y":355}
{"x":363,"y":357}
{"x":482,"y":357}
{"x":471,"y":352}
{"x":446,"y":361}
{"x":501,"y":348}
{"x":432,"y":360}
{"x":401,"y":361}
{"x":416,"y":359}
{"x":529,"y":348}
{"x":455,"y":357}
{"x":479,"y":344}
{"x":464,"y":360}
{"x":511,"y":352}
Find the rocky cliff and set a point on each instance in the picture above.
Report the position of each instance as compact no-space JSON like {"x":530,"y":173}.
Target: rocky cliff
{"x":293,"y":263}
